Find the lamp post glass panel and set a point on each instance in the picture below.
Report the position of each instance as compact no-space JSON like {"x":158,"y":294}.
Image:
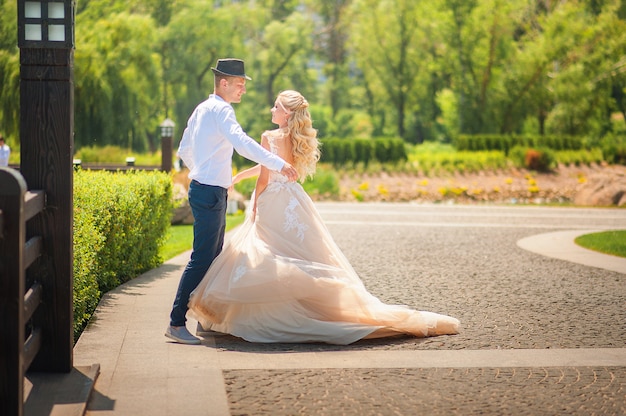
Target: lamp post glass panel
{"x":167,"y":128}
{"x":167,"y":133}
{"x":46,"y":24}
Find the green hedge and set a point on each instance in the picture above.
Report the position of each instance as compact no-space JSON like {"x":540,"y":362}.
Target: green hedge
{"x":341,"y":152}
{"x":120,"y":221}
{"x":505,"y":143}
{"x":432,"y":162}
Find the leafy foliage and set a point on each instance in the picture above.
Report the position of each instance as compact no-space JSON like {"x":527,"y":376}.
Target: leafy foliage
{"x":506,"y":142}
{"x":120,"y":222}
{"x":614,"y":149}
{"x":341,"y":152}
{"x":537,"y":159}
{"x":87,"y":244}
{"x":124,"y":216}
{"x":421,"y":71}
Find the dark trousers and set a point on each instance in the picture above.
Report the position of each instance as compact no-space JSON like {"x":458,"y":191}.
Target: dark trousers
{"x":208,"y":205}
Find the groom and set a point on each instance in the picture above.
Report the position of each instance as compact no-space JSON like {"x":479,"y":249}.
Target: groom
{"x":206,"y":148}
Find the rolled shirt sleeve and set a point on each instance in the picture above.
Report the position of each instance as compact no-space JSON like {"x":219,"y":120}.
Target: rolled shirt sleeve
{"x":212,"y":133}
{"x":247,"y":146}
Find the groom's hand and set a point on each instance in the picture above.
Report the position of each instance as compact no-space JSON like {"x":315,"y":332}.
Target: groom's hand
{"x":290,"y":172}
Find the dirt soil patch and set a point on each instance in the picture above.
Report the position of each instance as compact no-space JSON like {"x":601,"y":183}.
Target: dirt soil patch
{"x":505,"y":186}
{"x":510,"y":186}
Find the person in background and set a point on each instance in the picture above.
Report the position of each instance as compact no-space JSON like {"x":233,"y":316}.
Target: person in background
{"x":5,"y":152}
{"x":206,"y":148}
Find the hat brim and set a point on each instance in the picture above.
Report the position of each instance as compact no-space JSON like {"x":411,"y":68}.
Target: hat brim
{"x":218,"y":72}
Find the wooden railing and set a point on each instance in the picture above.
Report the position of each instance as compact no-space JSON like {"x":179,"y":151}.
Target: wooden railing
{"x":20,"y":339}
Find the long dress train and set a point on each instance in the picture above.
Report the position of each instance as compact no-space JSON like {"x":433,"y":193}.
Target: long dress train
{"x":282,"y":278}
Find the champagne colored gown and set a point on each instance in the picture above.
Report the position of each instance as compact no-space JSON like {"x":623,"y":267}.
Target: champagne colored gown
{"x":282,"y":278}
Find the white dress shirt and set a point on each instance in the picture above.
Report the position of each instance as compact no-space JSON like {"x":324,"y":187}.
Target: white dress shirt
{"x":208,"y":141}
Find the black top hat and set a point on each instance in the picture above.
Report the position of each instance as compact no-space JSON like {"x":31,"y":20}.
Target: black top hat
{"x":230,"y":67}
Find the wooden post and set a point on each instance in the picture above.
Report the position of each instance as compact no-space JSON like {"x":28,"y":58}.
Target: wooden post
{"x":47,"y":147}
{"x":166,"y":154}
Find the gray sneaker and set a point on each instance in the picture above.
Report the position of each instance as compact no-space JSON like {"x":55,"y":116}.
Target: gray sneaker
{"x":201,"y":332}
{"x":181,"y":335}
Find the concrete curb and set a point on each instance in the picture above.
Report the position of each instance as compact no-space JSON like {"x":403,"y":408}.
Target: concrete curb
{"x":561,"y":245}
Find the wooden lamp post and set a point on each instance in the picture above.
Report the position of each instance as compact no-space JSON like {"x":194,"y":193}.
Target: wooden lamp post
{"x":46,"y":42}
{"x":167,"y":134}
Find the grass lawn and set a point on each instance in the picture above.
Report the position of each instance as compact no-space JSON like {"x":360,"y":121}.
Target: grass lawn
{"x":608,"y":242}
{"x":180,"y":237}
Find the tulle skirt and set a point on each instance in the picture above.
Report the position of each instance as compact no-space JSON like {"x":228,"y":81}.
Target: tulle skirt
{"x":282,"y":278}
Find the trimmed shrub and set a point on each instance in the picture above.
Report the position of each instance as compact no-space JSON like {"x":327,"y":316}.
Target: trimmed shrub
{"x":329,"y":151}
{"x":120,"y":221}
{"x":538,"y":159}
{"x":382,"y":150}
{"x":87,"y":243}
{"x":341,"y":152}
{"x":579,"y":157}
{"x":398,"y":151}
{"x":505,"y":143}
{"x":363,"y":152}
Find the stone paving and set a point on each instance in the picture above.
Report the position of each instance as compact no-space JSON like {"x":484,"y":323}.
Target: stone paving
{"x":430,"y":391}
{"x":540,"y":335}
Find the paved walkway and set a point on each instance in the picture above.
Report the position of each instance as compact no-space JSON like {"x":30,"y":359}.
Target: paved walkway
{"x":544,"y":326}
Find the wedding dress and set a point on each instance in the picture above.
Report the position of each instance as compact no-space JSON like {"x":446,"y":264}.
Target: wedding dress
{"x":282,"y":278}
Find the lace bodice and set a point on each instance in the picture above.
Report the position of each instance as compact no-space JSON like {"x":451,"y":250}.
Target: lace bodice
{"x":274,"y":137}
{"x":279,"y":183}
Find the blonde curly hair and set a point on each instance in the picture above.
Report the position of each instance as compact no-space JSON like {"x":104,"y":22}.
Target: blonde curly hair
{"x":305,"y":146}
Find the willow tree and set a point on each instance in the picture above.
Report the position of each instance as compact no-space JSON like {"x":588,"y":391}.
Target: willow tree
{"x":117,"y":81}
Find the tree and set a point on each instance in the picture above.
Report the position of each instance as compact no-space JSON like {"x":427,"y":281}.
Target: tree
{"x":589,"y":85}
{"x":384,"y":37}
{"x":279,"y":55}
{"x":480,"y":38}
{"x":566,"y":66}
{"x":196,"y":36}
{"x":117,"y":82}
{"x":9,"y":70}
{"x":416,"y":69}
{"x":284,"y":51}
{"x":330,"y":46}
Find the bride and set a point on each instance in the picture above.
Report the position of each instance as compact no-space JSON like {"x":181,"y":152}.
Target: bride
{"x":281,"y":277}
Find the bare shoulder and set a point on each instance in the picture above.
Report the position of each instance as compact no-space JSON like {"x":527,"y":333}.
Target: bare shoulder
{"x":276,"y":134}
{"x":277,"y":140}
